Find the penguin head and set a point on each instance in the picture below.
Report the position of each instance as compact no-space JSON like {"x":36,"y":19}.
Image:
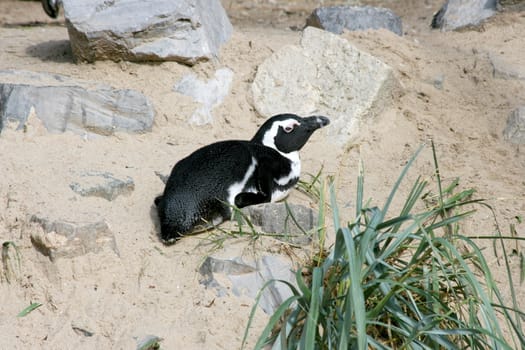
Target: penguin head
{"x":288,"y":133}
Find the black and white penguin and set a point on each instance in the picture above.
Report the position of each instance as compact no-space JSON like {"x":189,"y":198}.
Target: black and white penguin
{"x":52,"y":7}
{"x":203,"y":186}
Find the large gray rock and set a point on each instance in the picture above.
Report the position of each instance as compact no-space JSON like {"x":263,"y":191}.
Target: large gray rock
{"x":248,"y":278}
{"x":102,"y":184}
{"x":337,"y":18}
{"x":326,"y":74}
{"x":457,"y":14}
{"x":63,"y":103}
{"x":65,"y":238}
{"x":186,"y":31}
{"x":515,"y":130}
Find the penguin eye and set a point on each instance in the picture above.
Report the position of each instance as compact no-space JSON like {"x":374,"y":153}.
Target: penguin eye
{"x":288,"y":128}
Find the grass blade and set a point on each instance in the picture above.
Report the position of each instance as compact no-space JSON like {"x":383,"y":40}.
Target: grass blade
{"x":28,"y":309}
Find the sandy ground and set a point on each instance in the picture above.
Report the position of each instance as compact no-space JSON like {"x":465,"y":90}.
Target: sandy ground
{"x":148,"y":288}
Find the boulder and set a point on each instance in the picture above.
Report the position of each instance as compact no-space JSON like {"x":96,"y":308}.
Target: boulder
{"x":69,"y":238}
{"x":102,"y":184}
{"x":515,"y":130}
{"x":456,"y":14}
{"x":337,"y":18}
{"x":325,"y":74}
{"x":63,"y":103}
{"x":186,"y":31}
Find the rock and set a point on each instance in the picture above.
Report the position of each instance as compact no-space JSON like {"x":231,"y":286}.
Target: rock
{"x":248,"y":279}
{"x":64,"y":238}
{"x":63,"y":103}
{"x":227,"y":267}
{"x":437,"y":81}
{"x":326,"y":74}
{"x":209,"y":94}
{"x":162,"y":177}
{"x":457,"y":14}
{"x":291,"y":222}
{"x":506,"y":68}
{"x":511,"y":5}
{"x":102,"y":184}
{"x":337,"y":18}
{"x":149,"y":342}
{"x":186,"y":31}
{"x":515,"y":130}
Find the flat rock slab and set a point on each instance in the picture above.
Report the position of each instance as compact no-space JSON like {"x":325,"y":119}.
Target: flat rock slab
{"x":102,"y":184}
{"x":292,"y":223}
{"x":186,"y":31}
{"x":325,"y":75}
{"x":456,"y":14}
{"x":63,"y":103}
{"x":337,"y":18}
{"x":64,"y":238}
{"x":248,"y":278}
{"x":515,"y":130}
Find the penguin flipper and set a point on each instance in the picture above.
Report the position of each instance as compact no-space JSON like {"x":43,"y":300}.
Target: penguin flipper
{"x":245,"y":199}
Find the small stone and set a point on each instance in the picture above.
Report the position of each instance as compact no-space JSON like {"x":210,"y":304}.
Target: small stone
{"x":149,"y":342}
{"x":212,"y":266}
{"x":506,"y":68}
{"x":515,"y":130}
{"x":290,"y":222}
{"x":438,"y":81}
{"x":102,"y":184}
{"x":163,"y":177}
{"x":64,"y":238}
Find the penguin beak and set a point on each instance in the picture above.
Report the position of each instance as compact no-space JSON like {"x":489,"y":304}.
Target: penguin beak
{"x":314,"y":122}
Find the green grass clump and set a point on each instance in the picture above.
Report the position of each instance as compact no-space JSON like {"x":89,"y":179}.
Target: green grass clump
{"x":400,"y":282}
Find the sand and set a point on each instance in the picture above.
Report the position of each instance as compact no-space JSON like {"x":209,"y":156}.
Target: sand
{"x":144,"y":287}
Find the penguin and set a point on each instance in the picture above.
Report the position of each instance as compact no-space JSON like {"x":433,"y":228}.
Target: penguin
{"x":203,"y":187}
{"x":52,"y":7}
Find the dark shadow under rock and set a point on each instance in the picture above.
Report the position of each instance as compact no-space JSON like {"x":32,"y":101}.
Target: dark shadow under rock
{"x":54,"y":50}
